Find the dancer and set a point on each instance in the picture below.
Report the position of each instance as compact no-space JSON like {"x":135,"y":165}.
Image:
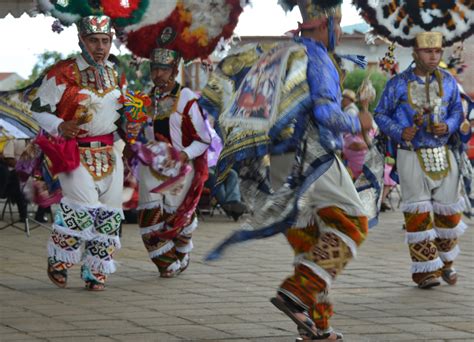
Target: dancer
{"x":420,"y":109}
{"x":77,"y":102}
{"x":177,"y":119}
{"x":296,"y":93}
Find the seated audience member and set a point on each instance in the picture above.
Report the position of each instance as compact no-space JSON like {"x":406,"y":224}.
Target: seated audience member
{"x":227,"y":193}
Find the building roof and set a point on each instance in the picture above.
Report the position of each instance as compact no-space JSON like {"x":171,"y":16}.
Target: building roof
{"x":5,"y":75}
{"x":18,"y":7}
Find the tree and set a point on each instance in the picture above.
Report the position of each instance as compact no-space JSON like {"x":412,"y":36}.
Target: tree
{"x":138,"y":79}
{"x":354,"y":80}
{"x":137,"y":72}
{"x":45,"y":60}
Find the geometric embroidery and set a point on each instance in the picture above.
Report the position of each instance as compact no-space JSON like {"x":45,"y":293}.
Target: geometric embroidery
{"x":77,"y":220}
{"x":423,"y":251}
{"x":66,"y":242}
{"x":330,"y":253}
{"x":108,"y":222}
{"x":103,"y":250}
{"x":446,"y":245}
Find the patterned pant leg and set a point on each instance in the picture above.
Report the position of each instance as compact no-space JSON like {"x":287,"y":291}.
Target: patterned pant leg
{"x":99,"y":251}
{"x":71,"y":227}
{"x":184,"y":242}
{"x":162,"y":252}
{"x":420,"y":237}
{"x":322,"y":253}
{"x":448,"y":228}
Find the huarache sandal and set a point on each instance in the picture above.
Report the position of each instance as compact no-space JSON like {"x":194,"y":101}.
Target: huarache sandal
{"x":94,"y":285}
{"x":429,"y":282}
{"x":330,"y":335}
{"x":450,"y":276}
{"x":58,"y":278}
{"x":305,"y":325}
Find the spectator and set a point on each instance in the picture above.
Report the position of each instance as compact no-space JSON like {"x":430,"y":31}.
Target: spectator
{"x":227,"y":193}
{"x":11,"y":152}
{"x":354,"y":148}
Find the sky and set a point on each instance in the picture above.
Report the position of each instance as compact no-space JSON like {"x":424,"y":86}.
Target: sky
{"x":27,"y":37}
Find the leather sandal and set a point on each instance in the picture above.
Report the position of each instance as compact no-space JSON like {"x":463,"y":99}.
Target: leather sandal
{"x":94,"y":285}
{"x":305,"y":326}
{"x":53,"y":276}
{"x":429,"y":282}
{"x":450,"y":276}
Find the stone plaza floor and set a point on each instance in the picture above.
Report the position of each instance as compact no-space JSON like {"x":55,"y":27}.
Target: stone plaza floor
{"x":228,"y":300}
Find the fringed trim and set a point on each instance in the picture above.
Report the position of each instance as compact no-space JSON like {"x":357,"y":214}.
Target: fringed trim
{"x":98,"y":265}
{"x":190,"y":228}
{"x":323,"y":297}
{"x":315,"y":268}
{"x":346,"y":239}
{"x":427,"y":266}
{"x":416,"y":237}
{"x":162,"y":250}
{"x":108,"y":239}
{"x":187,"y":248}
{"x":418,"y":207}
{"x":157,"y":204}
{"x":293,"y":298}
{"x":451,"y":233}
{"x":451,"y":255}
{"x":175,"y":266}
{"x":60,"y":254}
{"x":151,"y":229}
{"x":86,"y":234}
{"x":449,"y":209}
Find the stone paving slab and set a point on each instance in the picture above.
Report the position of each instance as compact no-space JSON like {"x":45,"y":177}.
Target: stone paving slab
{"x":228,"y":300}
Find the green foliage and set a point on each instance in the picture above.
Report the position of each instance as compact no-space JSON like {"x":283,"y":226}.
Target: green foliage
{"x":354,"y":80}
{"x":45,"y":60}
{"x":137,"y":79}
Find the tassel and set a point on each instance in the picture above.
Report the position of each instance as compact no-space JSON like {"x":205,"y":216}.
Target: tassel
{"x":359,"y":60}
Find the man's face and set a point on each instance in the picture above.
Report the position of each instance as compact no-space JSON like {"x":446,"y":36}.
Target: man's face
{"x":98,"y":45}
{"x":163,"y":78}
{"x":345,"y":102}
{"x":322,"y":33}
{"x":430,"y":57}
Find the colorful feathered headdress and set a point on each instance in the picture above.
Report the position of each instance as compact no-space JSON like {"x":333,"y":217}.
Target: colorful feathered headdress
{"x":402,"y":20}
{"x":198,"y":26}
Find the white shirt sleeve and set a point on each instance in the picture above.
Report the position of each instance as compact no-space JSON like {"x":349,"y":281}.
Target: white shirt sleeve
{"x":48,"y":122}
{"x":198,"y":147}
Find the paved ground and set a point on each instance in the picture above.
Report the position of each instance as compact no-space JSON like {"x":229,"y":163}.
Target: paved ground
{"x":375,"y":299}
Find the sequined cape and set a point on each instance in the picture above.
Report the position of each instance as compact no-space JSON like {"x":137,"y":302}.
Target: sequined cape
{"x":310,"y":123}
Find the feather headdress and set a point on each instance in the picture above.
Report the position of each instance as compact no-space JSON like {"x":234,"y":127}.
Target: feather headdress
{"x":401,"y":20}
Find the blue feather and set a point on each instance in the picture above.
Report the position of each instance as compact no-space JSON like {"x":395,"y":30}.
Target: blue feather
{"x":359,"y":60}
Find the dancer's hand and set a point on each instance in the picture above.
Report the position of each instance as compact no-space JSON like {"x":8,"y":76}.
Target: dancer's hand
{"x":183,"y":157}
{"x":69,"y":129}
{"x":365,"y":119}
{"x":440,"y":129}
{"x":409,"y":133}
